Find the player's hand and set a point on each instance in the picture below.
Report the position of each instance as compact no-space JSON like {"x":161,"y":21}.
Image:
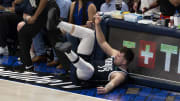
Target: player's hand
{"x":135,"y":6}
{"x":97,"y":19}
{"x":144,"y":10}
{"x":90,"y":24}
{"x":101,"y":90}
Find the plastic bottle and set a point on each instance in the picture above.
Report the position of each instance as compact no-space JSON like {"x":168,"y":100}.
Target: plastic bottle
{"x":176,"y":19}
{"x":171,"y":22}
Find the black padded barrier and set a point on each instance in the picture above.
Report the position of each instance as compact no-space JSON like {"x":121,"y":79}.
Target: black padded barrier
{"x":156,"y":48}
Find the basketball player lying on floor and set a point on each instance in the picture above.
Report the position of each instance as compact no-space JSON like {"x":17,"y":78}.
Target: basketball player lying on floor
{"x":115,"y":68}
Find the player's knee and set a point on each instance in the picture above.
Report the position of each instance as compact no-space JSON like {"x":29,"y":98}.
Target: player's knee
{"x":91,"y":35}
{"x":85,"y":75}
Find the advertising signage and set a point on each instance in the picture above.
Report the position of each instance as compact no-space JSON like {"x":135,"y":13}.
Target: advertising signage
{"x":156,"y":56}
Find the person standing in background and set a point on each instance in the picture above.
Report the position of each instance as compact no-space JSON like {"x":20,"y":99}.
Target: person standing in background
{"x":98,"y":3}
{"x":139,"y":5}
{"x":110,"y":5}
{"x":64,"y":6}
{"x":167,"y":7}
{"x":9,"y":17}
{"x":34,"y":24}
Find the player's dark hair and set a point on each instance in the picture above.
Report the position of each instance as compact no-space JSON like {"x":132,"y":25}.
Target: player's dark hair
{"x":128,"y":54}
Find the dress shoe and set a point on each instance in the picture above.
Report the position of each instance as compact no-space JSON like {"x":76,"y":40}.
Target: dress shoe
{"x":41,"y":58}
{"x":52,"y":63}
{"x":22,"y":68}
{"x":59,"y":66}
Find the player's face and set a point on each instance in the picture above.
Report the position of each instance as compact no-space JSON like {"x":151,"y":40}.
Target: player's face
{"x":119,"y":59}
{"x":108,"y":1}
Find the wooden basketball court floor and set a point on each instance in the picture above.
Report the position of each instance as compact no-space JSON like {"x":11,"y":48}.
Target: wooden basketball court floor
{"x":14,"y":91}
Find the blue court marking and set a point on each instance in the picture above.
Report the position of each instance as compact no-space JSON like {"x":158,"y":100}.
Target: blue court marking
{"x":177,"y":98}
{"x":139,"y":98}
{"x":41,"y":67}
{"x":145,"y":91}
{"x":119,"y":94}
{"x":159,"y":94}
{"x":8,"y":60}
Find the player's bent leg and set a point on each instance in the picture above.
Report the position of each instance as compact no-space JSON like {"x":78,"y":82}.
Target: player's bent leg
{"x":86,"y":36}
{"x":84,"y":69}
{"x":75,"y":30}
{"x":86,"y":45}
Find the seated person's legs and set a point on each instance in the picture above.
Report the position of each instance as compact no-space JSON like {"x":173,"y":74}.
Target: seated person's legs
{"x":35,"y":23}
{"x":25,"y":36}
{"x":55,"y":61}
{"x":3,"y":34}
{"x":37,"y":44}
{"x":8,"y":32}
{"x":19,"y":27}
{"x":39,"y":47}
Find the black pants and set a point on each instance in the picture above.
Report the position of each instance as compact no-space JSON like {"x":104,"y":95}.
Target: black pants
{"x":30,"y":30}
{"x":8,"y":27}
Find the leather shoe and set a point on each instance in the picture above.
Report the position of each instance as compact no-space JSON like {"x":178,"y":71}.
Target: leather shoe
{"x":59,"y":66}
{"x":52,"y":63}
{"x":41,"y":58}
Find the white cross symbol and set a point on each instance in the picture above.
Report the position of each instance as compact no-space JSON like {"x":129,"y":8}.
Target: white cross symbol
{"x":147,"y":54}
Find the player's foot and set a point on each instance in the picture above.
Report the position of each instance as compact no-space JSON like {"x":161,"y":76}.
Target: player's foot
{"x":64,"y":47}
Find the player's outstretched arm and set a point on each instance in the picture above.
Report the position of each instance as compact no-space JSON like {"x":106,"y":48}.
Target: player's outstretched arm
{"x":101,"y":39}
{"x":116,"y":79}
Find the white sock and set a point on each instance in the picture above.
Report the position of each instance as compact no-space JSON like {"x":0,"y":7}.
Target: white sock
{"x":84,"y":69}
{"x":67,"y":27}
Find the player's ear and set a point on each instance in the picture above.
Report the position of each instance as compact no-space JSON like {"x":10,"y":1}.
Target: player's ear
{"x":124,"y":62}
